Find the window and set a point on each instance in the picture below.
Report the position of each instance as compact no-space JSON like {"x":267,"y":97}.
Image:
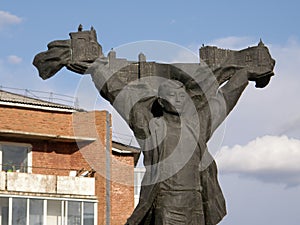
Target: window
{"x":74,"y":213}
{"x":88,"y":213}
{"x":15,"y":157}
{"x":54,"y":209}
{"x":38,"y":211}
{"x":19,"y":211}
{"x":4,"y":211}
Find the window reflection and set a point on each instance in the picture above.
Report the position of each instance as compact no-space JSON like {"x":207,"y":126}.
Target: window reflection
{"x":19,"y":211}
{"x":74,"y":213}
{"x":4,"y":211}
{"x":54,"y":212}
{"x":14,"y":158}
{"x":88,"y":213}
{"x":36,"y":211}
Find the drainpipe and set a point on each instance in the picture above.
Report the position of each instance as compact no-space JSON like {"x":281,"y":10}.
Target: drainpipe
{"x":108,"y":169}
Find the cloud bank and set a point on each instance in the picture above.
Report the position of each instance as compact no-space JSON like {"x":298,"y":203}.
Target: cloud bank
{"x":13,"y":59}
{"x":7,"y":18}
{"x":274,"y":159}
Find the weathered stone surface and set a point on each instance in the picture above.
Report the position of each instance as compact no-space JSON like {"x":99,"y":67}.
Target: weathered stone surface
{"x":2,"y":180}
{"x":75,"y":185}
{"x":25,"y":182}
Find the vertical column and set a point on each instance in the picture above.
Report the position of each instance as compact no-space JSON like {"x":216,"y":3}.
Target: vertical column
{"x":142,"y":59}
{"x":27,"y":211}
{"x":45,"y":212}
{"x":82,"y":213}
{"x":64,"y":212}
{"x":10,"y":211}
{"x":95,"y":213}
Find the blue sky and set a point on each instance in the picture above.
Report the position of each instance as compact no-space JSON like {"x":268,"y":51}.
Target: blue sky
{"x":259,"y":156}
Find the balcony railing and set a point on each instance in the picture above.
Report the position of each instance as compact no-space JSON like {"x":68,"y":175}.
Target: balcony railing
{"x":48,"y":184}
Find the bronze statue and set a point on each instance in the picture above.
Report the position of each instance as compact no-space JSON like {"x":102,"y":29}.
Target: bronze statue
{"x":173,"y":110}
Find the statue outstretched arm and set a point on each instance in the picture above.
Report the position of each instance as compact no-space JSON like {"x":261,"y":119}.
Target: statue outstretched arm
{"x":120,"y":81}
{"x":232,"y":71}
{"x":228,"y":95}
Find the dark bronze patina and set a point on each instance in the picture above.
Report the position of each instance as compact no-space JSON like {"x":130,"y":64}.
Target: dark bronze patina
{"x":173,"y":110}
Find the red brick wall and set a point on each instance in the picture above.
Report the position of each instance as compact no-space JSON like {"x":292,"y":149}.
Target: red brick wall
{"x":122,"y":189}
{"x":122,"y":201}
{"x":52,"y":158}
{"x":30,"y":120}
{"x":58,"y":158}
{"x":93,"y":124}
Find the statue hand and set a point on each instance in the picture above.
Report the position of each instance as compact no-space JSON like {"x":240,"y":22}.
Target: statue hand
{"x":256,"y":73}
{"x":79,"y":67}
{"x":260,"y":74}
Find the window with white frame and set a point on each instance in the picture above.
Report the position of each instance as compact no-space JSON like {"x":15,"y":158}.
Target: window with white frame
{"x":74,"y":213}
{"x":19,"y":211}
{"x":88,"y":213}
{"x":15,"y":157}
{"x":54,"y":212}
{"x":33,"y":211}
{"x":36,"y":211}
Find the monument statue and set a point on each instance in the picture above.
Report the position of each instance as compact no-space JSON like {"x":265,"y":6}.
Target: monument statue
{"x":173,"y":110}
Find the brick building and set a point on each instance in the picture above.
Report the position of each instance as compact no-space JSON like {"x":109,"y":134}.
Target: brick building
{"x":59,"y":165}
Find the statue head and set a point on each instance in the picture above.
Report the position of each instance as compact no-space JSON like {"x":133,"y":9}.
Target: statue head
{"x":172,"y":96}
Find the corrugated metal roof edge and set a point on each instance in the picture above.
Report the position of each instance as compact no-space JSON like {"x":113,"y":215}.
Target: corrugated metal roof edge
{"x":45,"y":105}
{"x":40,"y":107}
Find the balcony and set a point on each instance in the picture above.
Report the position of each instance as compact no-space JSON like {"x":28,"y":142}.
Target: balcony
{"x":47,"y":184}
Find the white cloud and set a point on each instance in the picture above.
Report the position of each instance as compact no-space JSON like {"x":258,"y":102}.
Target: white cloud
{"x":13,"y":59}
{"x":7,"y":18}
{"x":268,"y":158}
{"x":283,"y":92}
{"x":185,"y":56}
{"x":234,"y":43}
{"x":287,"y":59}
